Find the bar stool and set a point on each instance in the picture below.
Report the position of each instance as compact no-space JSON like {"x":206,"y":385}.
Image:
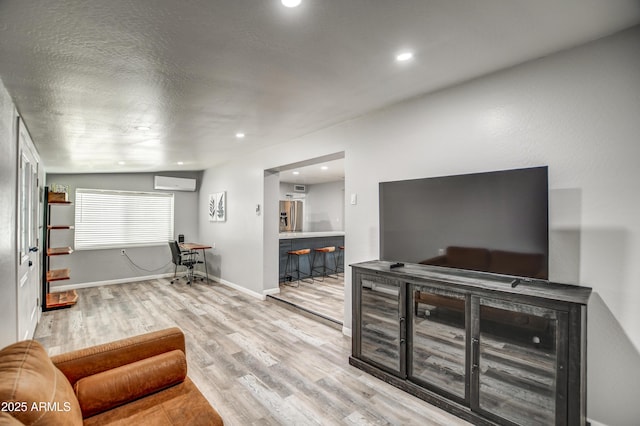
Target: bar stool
{"x":297,"y":254}
{"x":323,"y":251}
{"x":339,"y":264}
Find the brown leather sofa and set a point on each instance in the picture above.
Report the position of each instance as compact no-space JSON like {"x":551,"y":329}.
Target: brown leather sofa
{"x":139,"y":380}
{"x":498,"y":261}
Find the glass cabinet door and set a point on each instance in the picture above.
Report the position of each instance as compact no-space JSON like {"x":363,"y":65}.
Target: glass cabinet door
{"x":382,"y":323}
{"x":518,"y":358}
{"x":438,"y":346}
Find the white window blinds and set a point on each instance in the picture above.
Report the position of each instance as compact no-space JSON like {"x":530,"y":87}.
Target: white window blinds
{"x":115,"y":219}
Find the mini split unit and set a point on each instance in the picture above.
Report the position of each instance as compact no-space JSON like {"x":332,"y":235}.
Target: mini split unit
{"x":173,"y":183}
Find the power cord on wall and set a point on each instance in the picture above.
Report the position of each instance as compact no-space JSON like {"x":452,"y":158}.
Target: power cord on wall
{"x":125,"y":254}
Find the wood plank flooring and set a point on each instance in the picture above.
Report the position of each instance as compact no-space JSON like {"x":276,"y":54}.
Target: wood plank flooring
{"x":323,"y":298}
{"x":256,"y":362}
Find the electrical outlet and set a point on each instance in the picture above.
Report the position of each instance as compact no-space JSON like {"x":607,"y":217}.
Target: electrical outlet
{"x":122,"y":252}
{"x":213,"y":245}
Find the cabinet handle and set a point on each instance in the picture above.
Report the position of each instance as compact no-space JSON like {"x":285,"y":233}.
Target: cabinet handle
{"x":403,"y":330}
{"x":475,"y":346}
{"x":33,"y":249}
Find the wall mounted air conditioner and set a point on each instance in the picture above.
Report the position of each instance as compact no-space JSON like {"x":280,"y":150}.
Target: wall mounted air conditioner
{"x":299,"y":188}
{"x":174,"y":183}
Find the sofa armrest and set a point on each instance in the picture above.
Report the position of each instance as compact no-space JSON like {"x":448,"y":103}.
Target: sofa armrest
{"x":109,"y":389}
{"x":93,"y":360}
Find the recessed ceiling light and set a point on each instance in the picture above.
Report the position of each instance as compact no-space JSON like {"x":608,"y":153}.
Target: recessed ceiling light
{"x":296,"y":173}
{"x":240,"y":135}
{"x":291,"y":3}
{"x":180,"y":163}
{"x":122,"y":163}
{"x":324,"y":168}
{"x":143,"y":128}
{"x":404,"y":56}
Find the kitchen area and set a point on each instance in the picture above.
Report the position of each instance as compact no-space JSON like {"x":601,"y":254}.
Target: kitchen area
{"x":311,"y":217}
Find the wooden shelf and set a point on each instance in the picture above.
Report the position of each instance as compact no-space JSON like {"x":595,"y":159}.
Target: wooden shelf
{"x":57,"y":251}
{"x":58,"y":274}
{"x":63,"y":299}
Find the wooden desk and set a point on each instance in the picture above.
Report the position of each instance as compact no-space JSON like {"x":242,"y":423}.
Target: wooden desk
{"x":198,"y":246}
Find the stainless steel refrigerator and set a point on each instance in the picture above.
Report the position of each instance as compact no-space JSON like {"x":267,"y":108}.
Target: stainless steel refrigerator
{"x":291,"y":216}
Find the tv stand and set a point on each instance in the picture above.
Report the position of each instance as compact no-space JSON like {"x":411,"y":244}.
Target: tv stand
{"x":473,"y":343}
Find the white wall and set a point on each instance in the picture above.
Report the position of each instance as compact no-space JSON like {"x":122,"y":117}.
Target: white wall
{"x":576,"y":111}
{"x":324,"y":207}
{"x":8,"y":223}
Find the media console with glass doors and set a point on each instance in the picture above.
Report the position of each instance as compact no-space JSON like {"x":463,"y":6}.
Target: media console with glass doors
{"x":485,"y":347}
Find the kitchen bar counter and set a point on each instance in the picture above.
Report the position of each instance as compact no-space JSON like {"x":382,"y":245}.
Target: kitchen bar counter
{"x":296,"y":235}
{"x":310,"y":240}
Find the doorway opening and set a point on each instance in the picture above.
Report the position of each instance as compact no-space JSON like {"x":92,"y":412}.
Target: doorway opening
{"x":310,"y":203}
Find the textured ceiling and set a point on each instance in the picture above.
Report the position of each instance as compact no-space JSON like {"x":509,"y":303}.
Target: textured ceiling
{"x":85,"y":74}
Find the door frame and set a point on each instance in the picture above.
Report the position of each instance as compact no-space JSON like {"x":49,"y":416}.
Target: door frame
{"x":28,"y":235}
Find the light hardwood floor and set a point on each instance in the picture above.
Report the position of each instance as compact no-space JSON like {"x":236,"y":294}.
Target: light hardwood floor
{"x":256,"y":362}
{"x":322,"y":298}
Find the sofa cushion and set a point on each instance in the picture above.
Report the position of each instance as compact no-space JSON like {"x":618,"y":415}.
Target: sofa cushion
{"x":468,"y":258}
{"x":96,"y":359}
{"x":518,"y":264}
{"x":182,"y":404}
{"x":40,"y":392}
{"x":111,"y":388}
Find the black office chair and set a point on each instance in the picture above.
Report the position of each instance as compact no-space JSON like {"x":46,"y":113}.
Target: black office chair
{"x":187,"y":259}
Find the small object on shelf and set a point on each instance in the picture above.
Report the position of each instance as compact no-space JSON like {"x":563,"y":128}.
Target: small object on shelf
{"x":56,"y":187}
{"x":396,"y":265}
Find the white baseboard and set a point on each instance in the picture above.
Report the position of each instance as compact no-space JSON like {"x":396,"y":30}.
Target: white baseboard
{"x":346,"y":331}
{"x":234,"y":286}
{"x":107,"y":282}
{"x":244,"y":290}
{"x":595,"y":423}
{"x":271,"y":291}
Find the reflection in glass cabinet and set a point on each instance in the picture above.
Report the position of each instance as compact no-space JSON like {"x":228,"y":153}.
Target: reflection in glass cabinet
{"x":473,"y":344}
{"x":380,"y":322}
{"x":438,"y":340}
{"x":518,"y":362}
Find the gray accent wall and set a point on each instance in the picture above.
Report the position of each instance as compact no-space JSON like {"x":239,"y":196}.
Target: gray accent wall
{"x":109,"y":265}
{"x":8,"y":221}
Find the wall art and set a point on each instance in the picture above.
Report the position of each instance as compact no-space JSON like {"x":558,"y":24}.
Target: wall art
{"x":218,"y":207}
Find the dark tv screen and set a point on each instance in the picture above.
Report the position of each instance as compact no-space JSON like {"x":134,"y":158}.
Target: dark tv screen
{"x":492,"y":222}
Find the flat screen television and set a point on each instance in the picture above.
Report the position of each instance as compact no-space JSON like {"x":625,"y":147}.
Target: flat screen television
{"x":491,"y":222}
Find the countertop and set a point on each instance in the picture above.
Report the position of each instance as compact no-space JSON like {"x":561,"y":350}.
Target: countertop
{"x":295,"y":235}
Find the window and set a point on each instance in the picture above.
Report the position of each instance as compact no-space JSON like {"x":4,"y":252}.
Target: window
{"x":114,"y":219}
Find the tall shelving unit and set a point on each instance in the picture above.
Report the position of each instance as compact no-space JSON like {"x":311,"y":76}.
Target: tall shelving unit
{"x":63,"y":299}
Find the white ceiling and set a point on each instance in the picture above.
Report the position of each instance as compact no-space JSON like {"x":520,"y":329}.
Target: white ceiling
{"x":85,"y":74}
{"x":324,"y":172}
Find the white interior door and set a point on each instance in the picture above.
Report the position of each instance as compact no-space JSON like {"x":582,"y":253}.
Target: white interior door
{"x":29,"y":231}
